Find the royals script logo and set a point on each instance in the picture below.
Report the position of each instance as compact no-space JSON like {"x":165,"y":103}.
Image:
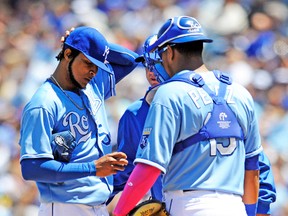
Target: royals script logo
{"x":77,"y":125}
{"x":105,"y":54}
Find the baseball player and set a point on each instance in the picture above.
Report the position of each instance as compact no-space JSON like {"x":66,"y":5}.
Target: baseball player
{"x":65,"y":139}
{"x":131,"y":125}
{"x":136,"y":113}
{"x":201,"y":132}
{"x":267,"y":190}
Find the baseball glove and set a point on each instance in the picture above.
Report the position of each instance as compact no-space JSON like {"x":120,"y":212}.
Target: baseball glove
{"x":149,"y":207}
{"x":63,"y":144}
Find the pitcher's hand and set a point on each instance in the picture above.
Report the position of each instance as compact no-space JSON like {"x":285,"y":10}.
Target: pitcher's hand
{"x":110,"y":164}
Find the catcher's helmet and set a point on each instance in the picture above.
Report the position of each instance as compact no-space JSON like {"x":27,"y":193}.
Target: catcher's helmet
{"x":181,"y":29}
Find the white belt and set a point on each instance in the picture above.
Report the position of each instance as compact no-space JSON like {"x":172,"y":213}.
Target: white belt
{"x":200,"y":193}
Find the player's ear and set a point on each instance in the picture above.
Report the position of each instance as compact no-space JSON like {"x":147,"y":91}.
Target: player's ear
{"x":67,"y":54}
{"x":170,"y":52}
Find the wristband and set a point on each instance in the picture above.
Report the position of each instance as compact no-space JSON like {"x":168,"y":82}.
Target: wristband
{"x":251,"y":209}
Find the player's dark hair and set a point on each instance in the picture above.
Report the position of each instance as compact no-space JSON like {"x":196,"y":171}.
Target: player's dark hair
{"x":73,"y":54}
{"x":191,"y":48}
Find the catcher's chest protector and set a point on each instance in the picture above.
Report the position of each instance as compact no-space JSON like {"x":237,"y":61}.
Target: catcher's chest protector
{"x":221,"y":122}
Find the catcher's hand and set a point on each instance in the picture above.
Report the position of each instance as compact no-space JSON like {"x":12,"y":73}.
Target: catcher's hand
{"x":149,"y":208}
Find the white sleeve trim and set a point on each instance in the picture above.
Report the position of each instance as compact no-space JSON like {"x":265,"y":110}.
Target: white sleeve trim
{"x":140,"y":160}
{"x":36,"y":156}
{"x":252,"y":154}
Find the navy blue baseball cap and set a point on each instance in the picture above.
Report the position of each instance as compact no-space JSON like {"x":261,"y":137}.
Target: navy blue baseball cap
{"x":181,"y":29}
{"x":92,"y":44}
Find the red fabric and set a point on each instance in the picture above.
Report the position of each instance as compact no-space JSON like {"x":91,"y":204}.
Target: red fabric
{"x":140,"y":181}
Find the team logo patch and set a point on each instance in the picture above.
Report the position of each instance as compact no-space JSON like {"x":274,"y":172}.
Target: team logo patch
{"x":146,"y":133}
{"x":60,"y":140}
{"x":190,"y":24}
{"x":222,"y":123}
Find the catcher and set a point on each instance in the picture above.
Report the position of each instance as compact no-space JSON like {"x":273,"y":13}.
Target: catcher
{"x":196,"y":136}
{"x":129,"y":134}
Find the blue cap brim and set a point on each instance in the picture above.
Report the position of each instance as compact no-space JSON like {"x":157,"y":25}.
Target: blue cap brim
{"x":140,"y":59}
{"x":188,"y":39}
{"x":99,"y":63}
{"x":185,"y":39}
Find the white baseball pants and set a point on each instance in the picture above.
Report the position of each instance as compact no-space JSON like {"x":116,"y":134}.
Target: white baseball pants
{"x":60,"y":209}
{"x":203,"y":203}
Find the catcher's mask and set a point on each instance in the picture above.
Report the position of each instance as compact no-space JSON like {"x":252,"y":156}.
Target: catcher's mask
{"x":152,"y":61}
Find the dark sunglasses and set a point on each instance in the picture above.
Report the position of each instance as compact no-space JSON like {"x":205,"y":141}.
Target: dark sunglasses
{"x":161,"y":51}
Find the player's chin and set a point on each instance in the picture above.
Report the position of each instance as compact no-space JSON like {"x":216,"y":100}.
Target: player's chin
{"x":154,"y":82}
{"x":84,"y":83}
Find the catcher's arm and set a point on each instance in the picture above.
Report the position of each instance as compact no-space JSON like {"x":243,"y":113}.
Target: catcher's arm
{"x":251,"y":185}
{"x":136,"y":188}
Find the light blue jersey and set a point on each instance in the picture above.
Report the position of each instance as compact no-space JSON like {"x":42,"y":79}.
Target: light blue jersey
{"x":50,"y":111}
{"x":178,"y":111}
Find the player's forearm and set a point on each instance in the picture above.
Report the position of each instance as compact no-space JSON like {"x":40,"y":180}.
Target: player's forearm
{"x":120,"y":55}
{"x":122,"y":61}
{"x":51,"y":171}
{"x":251,"y":190}
{"x":251,"y":186}
{"x":136,"y":188}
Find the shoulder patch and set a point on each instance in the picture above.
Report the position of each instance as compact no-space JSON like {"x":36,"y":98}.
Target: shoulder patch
{"x":147,"y":131}
{"x":145,"y":135}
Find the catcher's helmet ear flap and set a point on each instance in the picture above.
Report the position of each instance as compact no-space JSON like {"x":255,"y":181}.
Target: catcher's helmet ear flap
{"x":181,"y":29}
{"x":160,"y":73}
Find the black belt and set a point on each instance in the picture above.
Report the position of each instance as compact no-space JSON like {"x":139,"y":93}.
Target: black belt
{"x":188,"y":190}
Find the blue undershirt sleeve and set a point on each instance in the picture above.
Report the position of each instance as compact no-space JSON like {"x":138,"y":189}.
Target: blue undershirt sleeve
{"x":52,"y":171}
{"x":122,"y":60}
{"x":252,"y":163}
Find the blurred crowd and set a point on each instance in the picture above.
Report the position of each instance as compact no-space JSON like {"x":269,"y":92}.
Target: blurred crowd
{"x":250,"y":42}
